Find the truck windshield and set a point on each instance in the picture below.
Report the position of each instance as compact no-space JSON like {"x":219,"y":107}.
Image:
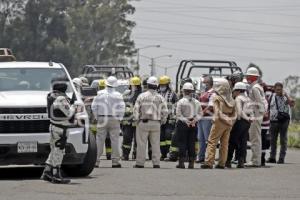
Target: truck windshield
{"x":34,"y":79}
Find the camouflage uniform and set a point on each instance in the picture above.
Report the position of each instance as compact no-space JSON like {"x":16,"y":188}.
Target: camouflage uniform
{"x":61,"y":114}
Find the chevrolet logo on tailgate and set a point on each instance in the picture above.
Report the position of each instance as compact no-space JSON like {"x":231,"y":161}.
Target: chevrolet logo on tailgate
{"x":23,"y":117}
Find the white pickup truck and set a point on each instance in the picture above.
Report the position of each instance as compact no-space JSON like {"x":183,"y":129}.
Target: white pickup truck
{"x":24,"y":122}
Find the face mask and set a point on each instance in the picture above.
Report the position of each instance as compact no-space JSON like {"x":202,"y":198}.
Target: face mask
{"x":206,"y":87}
{"x":251,"y":79}
{"x":188,"y":95}
{"x":133,"y":88}
{"x":163,"y":88}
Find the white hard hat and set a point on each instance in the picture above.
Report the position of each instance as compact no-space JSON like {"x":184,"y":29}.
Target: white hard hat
{"x":112,"y":82}
{"x":152,"y":81}
{"x":240,"y":86}
{"x":84,"y":80}
{"x":252,"y":71}
{"x":188,"y":86}
{"x":77,"y":81}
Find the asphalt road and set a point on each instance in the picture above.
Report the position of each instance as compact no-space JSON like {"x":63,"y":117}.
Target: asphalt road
{"x":167,"y":183}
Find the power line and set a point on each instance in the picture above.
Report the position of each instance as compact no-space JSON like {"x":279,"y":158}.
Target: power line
{"x":280,"y":6}
{"x":226,"y":20}
{"x":234,"y":56}
{"x":221,"y":46}
{"x":201,"y":35}
{"x":261,"y":12}
{"x":215,"y":27}
{"x":222,"y":37}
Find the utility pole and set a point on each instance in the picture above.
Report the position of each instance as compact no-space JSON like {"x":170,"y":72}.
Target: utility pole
{"x":152,"y":64}
{"x":166,"y":68}
{"x":137,"y":70}
{"x":153,"y":71}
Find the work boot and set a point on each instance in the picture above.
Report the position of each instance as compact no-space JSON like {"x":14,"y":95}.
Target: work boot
{"x":206,"y":166}
{"x":271,"y":160}
{"x":263,"y":159}
{"x":181,"y":163}
{"x":108,"y":156}
{"x":241,"y":164}
{"x":138,"y":166}
{"x":228,"y":164}
{"x":191,"y":163}
{"x":280,"y":161}
{"x":219,"y":167}
{"x":117,"y":165}
{"x":173,"y":157}
{"x":47,"y":173}
{"x":57,"y":177}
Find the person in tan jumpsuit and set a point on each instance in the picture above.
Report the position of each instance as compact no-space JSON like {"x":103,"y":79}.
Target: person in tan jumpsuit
{"x":257,"y":96}
{"x":223,"y":120}
{"x":150,"y":112}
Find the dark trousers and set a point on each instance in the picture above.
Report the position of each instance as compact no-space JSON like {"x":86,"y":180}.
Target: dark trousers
{"x":128,"y":137}
{"x":265,"y":140}
{"x":165,"y":138}
{"x":186,"y":138}
{"x":238,"y":140}
{"x":277,"y":129}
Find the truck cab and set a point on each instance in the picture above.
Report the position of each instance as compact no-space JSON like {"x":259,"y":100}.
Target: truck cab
{"x":24,"y":122}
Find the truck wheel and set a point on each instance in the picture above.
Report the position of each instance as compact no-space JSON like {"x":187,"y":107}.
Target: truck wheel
{"x":88,"y":164}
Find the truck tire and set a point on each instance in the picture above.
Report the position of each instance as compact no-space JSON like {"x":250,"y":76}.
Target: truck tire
{"x":88,"y":165}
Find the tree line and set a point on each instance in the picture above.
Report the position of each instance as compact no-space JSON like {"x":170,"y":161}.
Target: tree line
{"x":74,"y":32}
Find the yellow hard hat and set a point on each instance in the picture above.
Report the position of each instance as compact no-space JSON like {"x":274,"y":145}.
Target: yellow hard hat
{"x":164,"y":80}
{"x":102,"y":83}
{"x":135,"y":81}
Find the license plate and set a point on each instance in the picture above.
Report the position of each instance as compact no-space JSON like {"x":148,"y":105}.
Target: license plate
{"x":27,"y":147}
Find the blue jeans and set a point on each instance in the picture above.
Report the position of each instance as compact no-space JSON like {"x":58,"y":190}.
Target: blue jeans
{"x":204,"y":126}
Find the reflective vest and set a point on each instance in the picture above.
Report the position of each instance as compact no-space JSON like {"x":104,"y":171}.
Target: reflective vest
{"x":130,"y":99}
{"x":171,"y":99}
{"x":56,"y":115}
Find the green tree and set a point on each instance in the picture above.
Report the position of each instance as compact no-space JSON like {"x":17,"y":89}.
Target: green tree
{"x":36,"y":34}
{"x":296,"y":111}
{"x":9,"y":11}
{"x":74,"y":32}
{"x":100,"y":33}
{"x":292,"y":87}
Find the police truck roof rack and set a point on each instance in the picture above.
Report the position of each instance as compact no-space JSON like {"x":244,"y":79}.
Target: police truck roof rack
{"x":214,"y":68}
{"x":93,"y":72}
{"x":6,"y":55}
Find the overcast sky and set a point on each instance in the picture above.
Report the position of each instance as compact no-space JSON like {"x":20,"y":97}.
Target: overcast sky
{"x":264,"y":32}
